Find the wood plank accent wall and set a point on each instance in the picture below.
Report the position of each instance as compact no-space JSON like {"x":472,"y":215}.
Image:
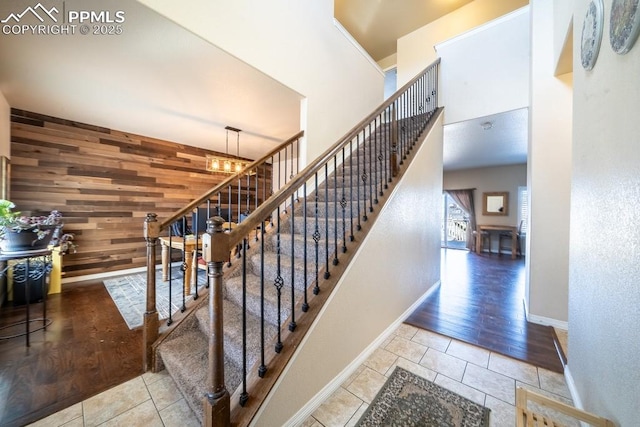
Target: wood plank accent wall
{"x":104,"y":182}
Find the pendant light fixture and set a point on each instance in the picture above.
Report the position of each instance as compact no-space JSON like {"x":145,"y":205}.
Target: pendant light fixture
{"x":225,"y":164}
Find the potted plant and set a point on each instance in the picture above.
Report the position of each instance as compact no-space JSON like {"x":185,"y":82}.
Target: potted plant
{"x":22,"y":233}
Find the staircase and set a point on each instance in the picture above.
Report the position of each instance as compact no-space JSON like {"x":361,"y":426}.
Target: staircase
{"x":289,"y":248}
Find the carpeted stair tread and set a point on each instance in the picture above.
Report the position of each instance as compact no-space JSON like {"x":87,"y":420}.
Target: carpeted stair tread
{"x":271,"y":269}
{"x":186,"y":359}
{"x":253,"y":297}
{"x":233,"y":332}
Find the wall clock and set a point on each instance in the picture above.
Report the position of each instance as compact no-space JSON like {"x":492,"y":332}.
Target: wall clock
{"x":591,"y":34}
{"x":623,"y":25}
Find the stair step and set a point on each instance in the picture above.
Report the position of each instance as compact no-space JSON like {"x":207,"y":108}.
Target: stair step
{"x":233,"y":288}
{"x":233,"y":333}
{"x":270,"y":269}
{"x":186,"y":359}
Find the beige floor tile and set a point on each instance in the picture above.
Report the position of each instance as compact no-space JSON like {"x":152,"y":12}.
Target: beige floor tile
{"x":353,"y":376}
{"x":72,"y":413}
{"x":356,"y":417}
{"x":414,"y":368}
{"x":502,"y":414}
{"x":381,"y":360}
{"x":311,"y":422}
{"x":408,"y":349}
{"x":115,"y":401}
{"x":338,"y":409}
{"x":468,"y":352}
{"x":151,"y":377}
{"x":445,"y":364}
{"x":514,"y":368}
{"x":179,"y":414}
{"x":492,"y":383}
{"x":143,"y":415}
{"x":553,"y":382}
{"x":164,"y":392}
{"x":78,"y":422}
{"x":406,"y":331}
{"x":432,"y":340}
{"x":461,"y":389}
{"x":367,"y":384}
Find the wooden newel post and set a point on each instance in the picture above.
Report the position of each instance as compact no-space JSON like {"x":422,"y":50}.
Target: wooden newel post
{"x":151,"y":320}
{"x":215,"y":250}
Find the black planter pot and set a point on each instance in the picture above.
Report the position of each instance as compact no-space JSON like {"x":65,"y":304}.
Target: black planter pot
{"x":27,"y":240}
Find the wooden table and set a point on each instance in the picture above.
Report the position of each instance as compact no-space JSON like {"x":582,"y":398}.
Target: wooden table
{"x":498,"y":228}
{"x":188,"y":247}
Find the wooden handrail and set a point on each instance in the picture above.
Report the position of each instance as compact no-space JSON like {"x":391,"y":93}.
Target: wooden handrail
{"x":264,"y":210}
{"x":224,"y":184}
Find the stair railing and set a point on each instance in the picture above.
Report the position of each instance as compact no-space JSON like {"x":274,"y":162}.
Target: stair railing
{"x":233,"y":199}
{"x":318,"y":212}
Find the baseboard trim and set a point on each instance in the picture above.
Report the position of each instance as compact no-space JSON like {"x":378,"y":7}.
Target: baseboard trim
{"x":547,"y":321}
{"x":575,"y":396}
{"x":315,"y":402}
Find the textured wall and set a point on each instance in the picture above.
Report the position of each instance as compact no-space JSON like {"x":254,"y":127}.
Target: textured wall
{"x":104,"y":182}
{"x":604,"y":274}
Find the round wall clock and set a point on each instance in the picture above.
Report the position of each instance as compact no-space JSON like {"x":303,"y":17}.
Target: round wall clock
{"x":624,"y":25}
{"x":591,"y":34}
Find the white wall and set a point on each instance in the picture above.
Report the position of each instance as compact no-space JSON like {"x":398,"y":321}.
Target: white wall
{"x":415,"y":50}
{"x":393,"y":268}
{"x":486,"y":71}
{"x":297,"y":44}
{"x":5,"y":127}
{"x":500,"y":178}
{"x":549,"y":161}
{"x":604,"y":273}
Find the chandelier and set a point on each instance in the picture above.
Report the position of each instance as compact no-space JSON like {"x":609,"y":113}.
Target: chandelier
{"x":226,"y":164}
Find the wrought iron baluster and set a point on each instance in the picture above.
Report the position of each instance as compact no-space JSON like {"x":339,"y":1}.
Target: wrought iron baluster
{"x":351,"y":154}
{"x":335,"y":210}
{"x":262,"y":370}
{"x":359,"y":224}
{"x":375,"y":163}
{"x":279,"y":281}
{"x":305,"y":304}
{"x":326,"y":220}
{"x":364,"y":175}
{"x":244,"y":396}
{"x":343,"y":205}
{"x":292,"y":323}
{"x":316,"y":239}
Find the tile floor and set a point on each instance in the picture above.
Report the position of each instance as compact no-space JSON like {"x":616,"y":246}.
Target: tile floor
{"x":480,"y":375}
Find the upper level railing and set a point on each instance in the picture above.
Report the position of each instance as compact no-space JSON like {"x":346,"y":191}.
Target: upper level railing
{"x":302,"y":233}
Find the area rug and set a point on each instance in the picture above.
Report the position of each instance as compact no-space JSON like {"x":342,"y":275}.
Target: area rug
{"x":129,"y":293}
{"x":409,"y":400}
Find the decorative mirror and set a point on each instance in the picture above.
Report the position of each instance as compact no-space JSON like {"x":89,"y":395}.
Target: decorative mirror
{"x":495,"y":203}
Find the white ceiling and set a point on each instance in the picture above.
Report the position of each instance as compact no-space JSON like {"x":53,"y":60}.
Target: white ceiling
{"x":155,"y":79}
{"x":468,"y":144}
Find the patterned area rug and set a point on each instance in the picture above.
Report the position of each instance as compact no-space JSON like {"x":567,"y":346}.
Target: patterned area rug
{"x":409,"y":400}
{"x":129,"y":293}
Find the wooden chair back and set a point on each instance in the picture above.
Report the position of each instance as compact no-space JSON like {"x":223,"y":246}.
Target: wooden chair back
{"x":527,"y":418}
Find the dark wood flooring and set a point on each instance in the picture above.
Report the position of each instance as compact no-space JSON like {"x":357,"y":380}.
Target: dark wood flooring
{"x":480,"y":301}
{"x":87,"y":349}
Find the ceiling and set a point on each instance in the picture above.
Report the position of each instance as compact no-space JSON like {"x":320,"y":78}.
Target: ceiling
{"x":378,"y":24}
{"x":155,"y":79}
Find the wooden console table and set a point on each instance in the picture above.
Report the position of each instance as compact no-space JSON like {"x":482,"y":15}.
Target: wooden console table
{"x":498,"y":228}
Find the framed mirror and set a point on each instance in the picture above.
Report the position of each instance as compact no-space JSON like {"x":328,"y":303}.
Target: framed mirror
{"x":495,"y":203}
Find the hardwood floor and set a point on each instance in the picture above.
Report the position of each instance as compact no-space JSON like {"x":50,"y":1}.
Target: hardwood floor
{"x":87,"y":349}
{"x":480,"y":301}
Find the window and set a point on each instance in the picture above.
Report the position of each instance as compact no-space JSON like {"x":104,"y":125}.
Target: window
{"x":523,"y":208}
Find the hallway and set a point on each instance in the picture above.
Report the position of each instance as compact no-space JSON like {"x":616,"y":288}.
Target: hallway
{"x":480,"y":301}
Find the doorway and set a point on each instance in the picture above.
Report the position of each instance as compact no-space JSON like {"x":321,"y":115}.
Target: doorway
{"x":454,"y":224}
